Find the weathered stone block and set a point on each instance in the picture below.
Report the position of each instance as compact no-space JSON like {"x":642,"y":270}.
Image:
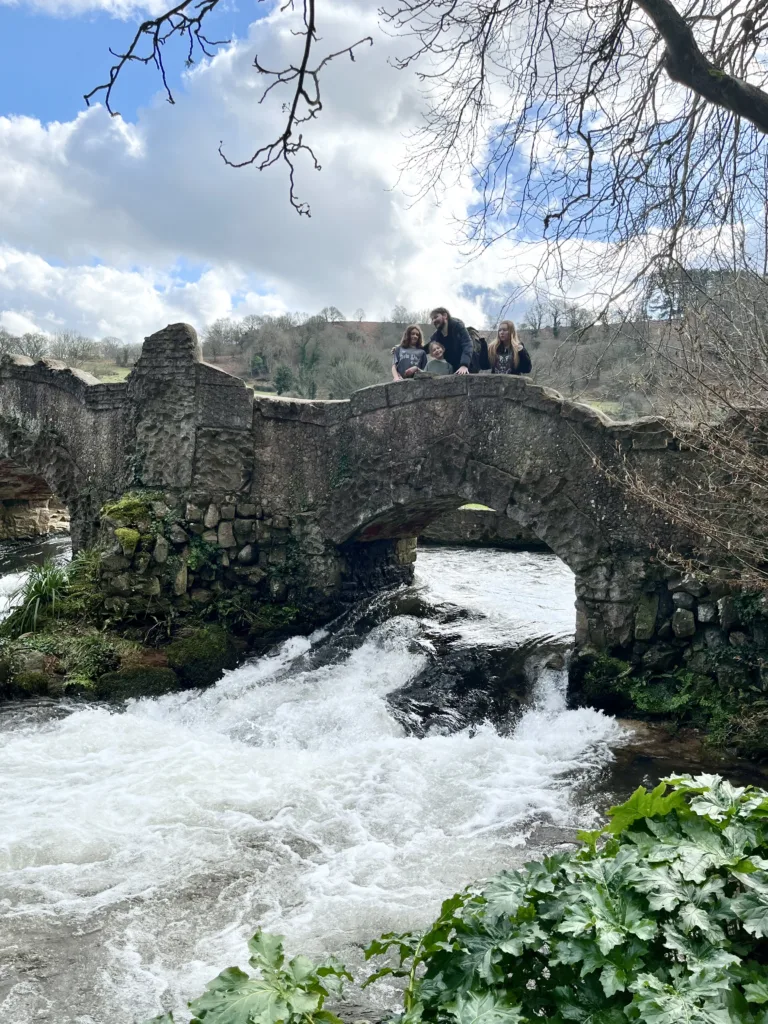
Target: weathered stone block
{"x":665,"y":630}
{"x":161,"y":550}
{"x":245,"y":530}
{"x":707,"y":612}
{"x":645,"y":616}
{"x":247,"y":555}
{"x":180,"y":581}
{"x":200,"y":596}
{"x":114,"y":563}
{"x":226,"y":535}
{"x":211,"y":517}
{"x":738,"y":639}
{"x":729,"y":614}
{"x":120,"y":585}
{"x":714,"y":637}
{"x":152,"y":587}
{"x":682,"y":599}
{"x":210,"y":537}
{"x":178,"y":535}
{"x":692,"y":585}
{"x":247,"y":510}
{"x":196,"y":529}
{"x":141,"y":562}
{"x":660,"y":657}
{"x":683,"y":623}
{"x":193,"y":513}
{"x":263,"y":532}
{"x":227,"y":511}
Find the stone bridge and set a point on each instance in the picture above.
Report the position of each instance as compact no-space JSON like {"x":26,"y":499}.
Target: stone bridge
{"x":309,"y":503}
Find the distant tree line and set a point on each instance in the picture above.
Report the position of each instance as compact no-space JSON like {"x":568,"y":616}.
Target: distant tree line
{"x":70,"y":347}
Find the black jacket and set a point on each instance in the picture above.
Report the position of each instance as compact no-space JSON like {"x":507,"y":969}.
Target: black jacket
{"x":457,"y":343}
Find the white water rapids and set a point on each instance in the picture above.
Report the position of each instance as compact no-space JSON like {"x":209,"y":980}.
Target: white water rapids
{"x":140,"y":847}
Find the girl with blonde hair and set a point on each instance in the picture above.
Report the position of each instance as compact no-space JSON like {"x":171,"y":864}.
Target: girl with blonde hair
{"x":409,"y":356}
{"x":506,"y":353}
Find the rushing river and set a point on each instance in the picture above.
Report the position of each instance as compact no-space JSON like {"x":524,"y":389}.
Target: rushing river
{"x":141,"y":846}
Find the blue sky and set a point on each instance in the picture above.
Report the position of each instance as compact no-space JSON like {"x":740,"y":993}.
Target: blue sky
{"x":48,"y":62}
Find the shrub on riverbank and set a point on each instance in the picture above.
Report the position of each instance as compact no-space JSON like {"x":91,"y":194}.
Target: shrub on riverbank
{"x":729,"y":703}
{"x":661,"y":917}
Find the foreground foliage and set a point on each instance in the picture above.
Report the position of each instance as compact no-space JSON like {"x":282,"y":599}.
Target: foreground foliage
{"x":661,"y":917}
{"x":293,"y":992}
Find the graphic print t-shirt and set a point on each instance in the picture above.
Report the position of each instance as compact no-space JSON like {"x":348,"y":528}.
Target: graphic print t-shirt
{"x":405,"y":358}
{"x":505,"y":362}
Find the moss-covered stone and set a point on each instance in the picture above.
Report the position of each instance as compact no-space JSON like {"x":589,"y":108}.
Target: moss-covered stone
{"x":645,"y":616}
{"x":202,"y":655}
{"x":128,"y":540}
{"x":136,"y":682}
{"x":131,"y":507}
{"x":32,"y":684}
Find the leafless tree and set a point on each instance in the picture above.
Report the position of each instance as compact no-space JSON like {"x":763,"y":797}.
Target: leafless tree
{"x":72,"y":347}
{"x":332,"y":314}
{"x":360,"y":314}
{"x":33,"y":344}
{"x":707,"y":374}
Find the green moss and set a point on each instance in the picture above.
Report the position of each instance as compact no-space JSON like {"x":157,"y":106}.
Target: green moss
{"x":32,"y":684}
{"x":202,"y":655}
{"x":136,"y":682}
{"x":128,"y":540}
{"x":131,"y":507}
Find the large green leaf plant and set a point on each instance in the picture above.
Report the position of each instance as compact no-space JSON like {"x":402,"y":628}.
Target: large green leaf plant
{"x":661,"y":918}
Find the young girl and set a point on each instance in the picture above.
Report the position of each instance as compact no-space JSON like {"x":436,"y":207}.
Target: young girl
{"x":409,"y":356}
{"x":437,"y":363}
{"x":506,"y":353}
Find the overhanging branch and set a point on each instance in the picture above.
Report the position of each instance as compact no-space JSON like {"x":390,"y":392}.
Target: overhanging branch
{"x":686,"y":64}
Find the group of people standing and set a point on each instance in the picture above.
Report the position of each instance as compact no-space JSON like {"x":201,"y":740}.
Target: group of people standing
{"x":454,"y":348}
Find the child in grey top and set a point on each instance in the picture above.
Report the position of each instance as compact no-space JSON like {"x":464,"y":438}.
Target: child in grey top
{"x":437,"y":364}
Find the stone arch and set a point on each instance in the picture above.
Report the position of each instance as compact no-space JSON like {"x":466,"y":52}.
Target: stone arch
{"x":511,"y":446}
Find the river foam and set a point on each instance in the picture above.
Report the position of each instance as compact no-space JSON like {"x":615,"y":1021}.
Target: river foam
{"x":141,"y":847}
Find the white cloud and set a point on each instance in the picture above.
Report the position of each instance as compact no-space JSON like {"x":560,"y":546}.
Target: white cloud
{"x":143,"y":200}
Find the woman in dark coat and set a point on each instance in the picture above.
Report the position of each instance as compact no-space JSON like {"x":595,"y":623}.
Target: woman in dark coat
{"x":506,"y":353}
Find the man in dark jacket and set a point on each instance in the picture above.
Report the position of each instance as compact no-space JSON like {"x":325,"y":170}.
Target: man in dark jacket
{"x":452,"y":335}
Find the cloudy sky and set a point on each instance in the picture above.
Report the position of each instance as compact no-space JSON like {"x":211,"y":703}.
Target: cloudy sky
{"x":116,"y":226}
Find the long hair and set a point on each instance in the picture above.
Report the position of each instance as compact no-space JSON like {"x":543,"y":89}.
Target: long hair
{"x":405,"y":341}
{"x":494,"y":346}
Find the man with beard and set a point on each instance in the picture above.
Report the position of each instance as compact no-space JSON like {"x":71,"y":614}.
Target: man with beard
{"x":453,"y":336}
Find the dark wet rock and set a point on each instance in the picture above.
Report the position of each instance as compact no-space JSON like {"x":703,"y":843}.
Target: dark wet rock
{"x":464,"y":687}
